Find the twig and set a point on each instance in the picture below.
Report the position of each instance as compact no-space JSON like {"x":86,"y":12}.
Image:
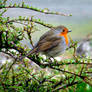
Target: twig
{"x":68,"y":72}
{"x":84,"y":78}
{"x":29,"y":31}
{"x":61,"y":81}
{"x":65,"y":86}
{"x":81,"y":70}
{"x":31,"y":20}
{"x":10,"y":68}
{"x":38,"y":10}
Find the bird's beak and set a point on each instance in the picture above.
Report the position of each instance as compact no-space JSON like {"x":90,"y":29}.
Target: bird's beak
{"x":69,"y":31}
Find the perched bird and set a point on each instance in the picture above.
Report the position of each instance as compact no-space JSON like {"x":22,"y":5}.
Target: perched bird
{"x":52,"y":43}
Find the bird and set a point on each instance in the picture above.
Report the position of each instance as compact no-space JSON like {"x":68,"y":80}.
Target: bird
{"x":52,"y":43}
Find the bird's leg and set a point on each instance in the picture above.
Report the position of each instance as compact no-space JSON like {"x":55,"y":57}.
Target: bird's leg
{"x":52,"y":60}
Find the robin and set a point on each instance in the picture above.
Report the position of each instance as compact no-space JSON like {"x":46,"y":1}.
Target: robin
{"x":52,"y":43}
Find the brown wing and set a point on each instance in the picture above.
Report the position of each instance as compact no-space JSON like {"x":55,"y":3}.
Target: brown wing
{"x":48,"y":42}
{"x":46,"y":35}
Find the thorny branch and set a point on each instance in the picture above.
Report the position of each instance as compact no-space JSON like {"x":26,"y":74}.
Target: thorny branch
{"x":45,"y":11}
{"x":66,"y":86}
{"x":19,"y":20}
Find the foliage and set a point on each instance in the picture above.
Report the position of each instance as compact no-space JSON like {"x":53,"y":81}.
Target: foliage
{"x":34,"y":74}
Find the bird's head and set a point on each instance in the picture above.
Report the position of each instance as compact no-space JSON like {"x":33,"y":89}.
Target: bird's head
{"x":62,"y":31}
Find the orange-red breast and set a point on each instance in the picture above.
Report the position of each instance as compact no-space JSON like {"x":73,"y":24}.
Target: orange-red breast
{"x":52,"y":43}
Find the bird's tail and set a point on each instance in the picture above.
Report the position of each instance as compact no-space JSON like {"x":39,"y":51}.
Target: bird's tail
{"x":30,"y":52}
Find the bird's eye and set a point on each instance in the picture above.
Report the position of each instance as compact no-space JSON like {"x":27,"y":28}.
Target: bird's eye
{"x":63,"y":30}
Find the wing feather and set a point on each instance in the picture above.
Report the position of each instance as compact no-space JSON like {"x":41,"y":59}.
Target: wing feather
{"x":49,"y":42}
